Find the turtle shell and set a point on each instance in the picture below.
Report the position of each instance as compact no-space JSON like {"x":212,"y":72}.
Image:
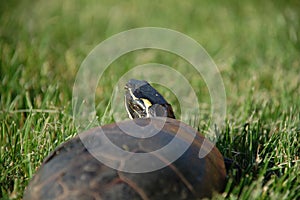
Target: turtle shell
{"x":73,"y":170}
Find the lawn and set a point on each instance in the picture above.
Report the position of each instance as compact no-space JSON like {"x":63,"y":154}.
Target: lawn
{"x":256,"y":46}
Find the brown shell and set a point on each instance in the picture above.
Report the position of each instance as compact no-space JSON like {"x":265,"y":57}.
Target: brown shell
{"x":71,"y":172}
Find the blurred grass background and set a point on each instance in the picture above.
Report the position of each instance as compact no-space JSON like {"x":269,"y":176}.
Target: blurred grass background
{"x":255,"y":44}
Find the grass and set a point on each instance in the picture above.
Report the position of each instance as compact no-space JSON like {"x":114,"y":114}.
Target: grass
{"x":256,"y":46}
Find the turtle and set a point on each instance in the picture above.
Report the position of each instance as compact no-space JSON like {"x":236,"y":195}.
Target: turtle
{"x":72,"y":171}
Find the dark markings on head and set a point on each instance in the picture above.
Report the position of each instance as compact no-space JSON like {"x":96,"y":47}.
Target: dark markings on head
{"x":142,"y":100}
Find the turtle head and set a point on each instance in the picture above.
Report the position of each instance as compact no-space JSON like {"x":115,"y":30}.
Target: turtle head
{"x":142,"y":100}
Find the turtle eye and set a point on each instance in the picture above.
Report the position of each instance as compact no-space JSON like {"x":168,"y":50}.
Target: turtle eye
{"x":139,"y":103}
{"x":138,"y":107}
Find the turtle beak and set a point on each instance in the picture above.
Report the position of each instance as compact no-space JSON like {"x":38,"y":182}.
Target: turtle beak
{"x":128,"y":102}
